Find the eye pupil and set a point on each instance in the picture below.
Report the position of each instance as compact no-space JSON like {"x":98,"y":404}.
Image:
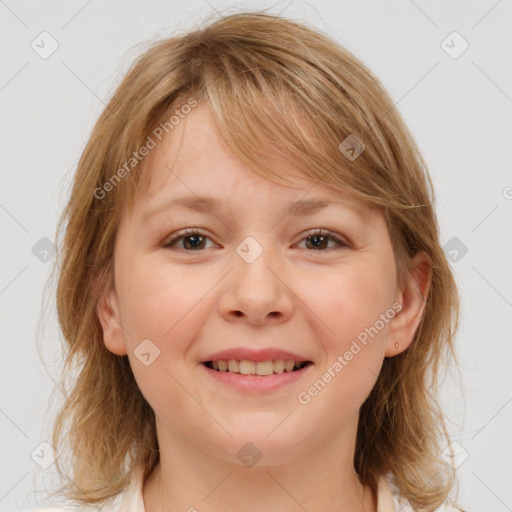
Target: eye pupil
{"x":197,"y":240}
{"x":319,"y":239}
{"x":193,"y":240}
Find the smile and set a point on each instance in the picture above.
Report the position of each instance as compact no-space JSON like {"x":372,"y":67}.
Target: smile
{"x":260,"y":368}
{"x":252,"y":382}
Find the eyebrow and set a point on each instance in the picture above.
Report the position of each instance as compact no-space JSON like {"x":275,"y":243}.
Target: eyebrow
{"x":204,"y":204}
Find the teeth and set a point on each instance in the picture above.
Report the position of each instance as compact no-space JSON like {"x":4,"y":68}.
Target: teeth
{"x":233,"y":366}
{"x":247,"y":367}
{"x":264,"y":368}
{"x":288,"y":365}
{"x":279,"y":366}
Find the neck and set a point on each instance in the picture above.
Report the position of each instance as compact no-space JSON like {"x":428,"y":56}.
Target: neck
{"x":192,"y":479}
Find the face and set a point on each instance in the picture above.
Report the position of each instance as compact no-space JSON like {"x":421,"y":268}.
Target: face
{"x":252,"y":273}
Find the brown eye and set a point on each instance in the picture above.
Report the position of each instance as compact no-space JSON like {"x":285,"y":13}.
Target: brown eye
{"x":192,"y":240}
{"x":319,"y":240}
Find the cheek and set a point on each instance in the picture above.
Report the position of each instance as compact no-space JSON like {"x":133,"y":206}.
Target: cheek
{"x":158,"y":299}
{"x":165,"y":304}
{"x":162,"y":309}
{"x":353,"y":333}
{"x":351,"y":300}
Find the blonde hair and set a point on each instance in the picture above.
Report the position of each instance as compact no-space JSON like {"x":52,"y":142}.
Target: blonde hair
{"x":283,"y":92}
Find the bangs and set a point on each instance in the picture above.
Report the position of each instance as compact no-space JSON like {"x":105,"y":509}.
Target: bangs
{"x":282,"y":120}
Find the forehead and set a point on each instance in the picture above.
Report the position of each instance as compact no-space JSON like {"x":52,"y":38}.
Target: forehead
{"x":193,"y":167}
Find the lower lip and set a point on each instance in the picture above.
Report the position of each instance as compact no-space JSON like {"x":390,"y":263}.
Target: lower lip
{"x":257,"y":383}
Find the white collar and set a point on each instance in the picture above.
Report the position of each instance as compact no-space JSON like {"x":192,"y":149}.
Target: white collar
{"x":132,"y":498}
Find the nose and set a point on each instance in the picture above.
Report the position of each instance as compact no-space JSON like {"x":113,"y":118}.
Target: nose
{"x":256,"y":291}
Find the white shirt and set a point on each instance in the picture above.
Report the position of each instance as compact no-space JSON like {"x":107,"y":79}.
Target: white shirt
{"x":130,"y":500}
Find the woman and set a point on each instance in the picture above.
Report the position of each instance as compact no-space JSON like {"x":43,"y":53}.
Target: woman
{"x":229,"y":357}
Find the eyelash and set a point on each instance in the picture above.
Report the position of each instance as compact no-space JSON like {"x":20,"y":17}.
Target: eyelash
{"x":171,"y":243}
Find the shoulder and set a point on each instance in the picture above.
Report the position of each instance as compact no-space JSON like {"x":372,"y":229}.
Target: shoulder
{"x":74,"y":508}
{"x":48,"y":510}
{"x":403,"y":505}
{"x":129,"y":500}
{"x":109,"y":507}
{"x":70,"y":509}
{"x":112,"y":506}
{"x":400,"y":503}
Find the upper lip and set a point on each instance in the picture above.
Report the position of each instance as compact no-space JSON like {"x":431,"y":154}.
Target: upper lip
{"x":266,"y":354}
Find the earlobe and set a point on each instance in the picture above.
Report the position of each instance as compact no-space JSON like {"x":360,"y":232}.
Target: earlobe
{"x":107,"y":310}
{"x":413,"y":299}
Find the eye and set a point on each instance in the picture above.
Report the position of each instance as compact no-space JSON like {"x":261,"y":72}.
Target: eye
{"x":194,"y":240}
{"x":319,"y":238}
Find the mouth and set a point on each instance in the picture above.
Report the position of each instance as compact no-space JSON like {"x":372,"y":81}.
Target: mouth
{"x":256,"y":368}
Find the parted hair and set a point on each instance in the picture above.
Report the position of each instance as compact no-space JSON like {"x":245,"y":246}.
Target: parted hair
{"x":283,"y":95}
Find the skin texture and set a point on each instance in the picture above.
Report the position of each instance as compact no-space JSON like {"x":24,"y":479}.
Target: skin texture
{"x":311,"y":302}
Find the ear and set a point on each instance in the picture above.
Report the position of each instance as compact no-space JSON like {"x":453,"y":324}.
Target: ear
{"x":413,"y":298}
{"x":107,"y":310}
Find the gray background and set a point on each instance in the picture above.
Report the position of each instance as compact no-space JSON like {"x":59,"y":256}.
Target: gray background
{"x":459,"y":108}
